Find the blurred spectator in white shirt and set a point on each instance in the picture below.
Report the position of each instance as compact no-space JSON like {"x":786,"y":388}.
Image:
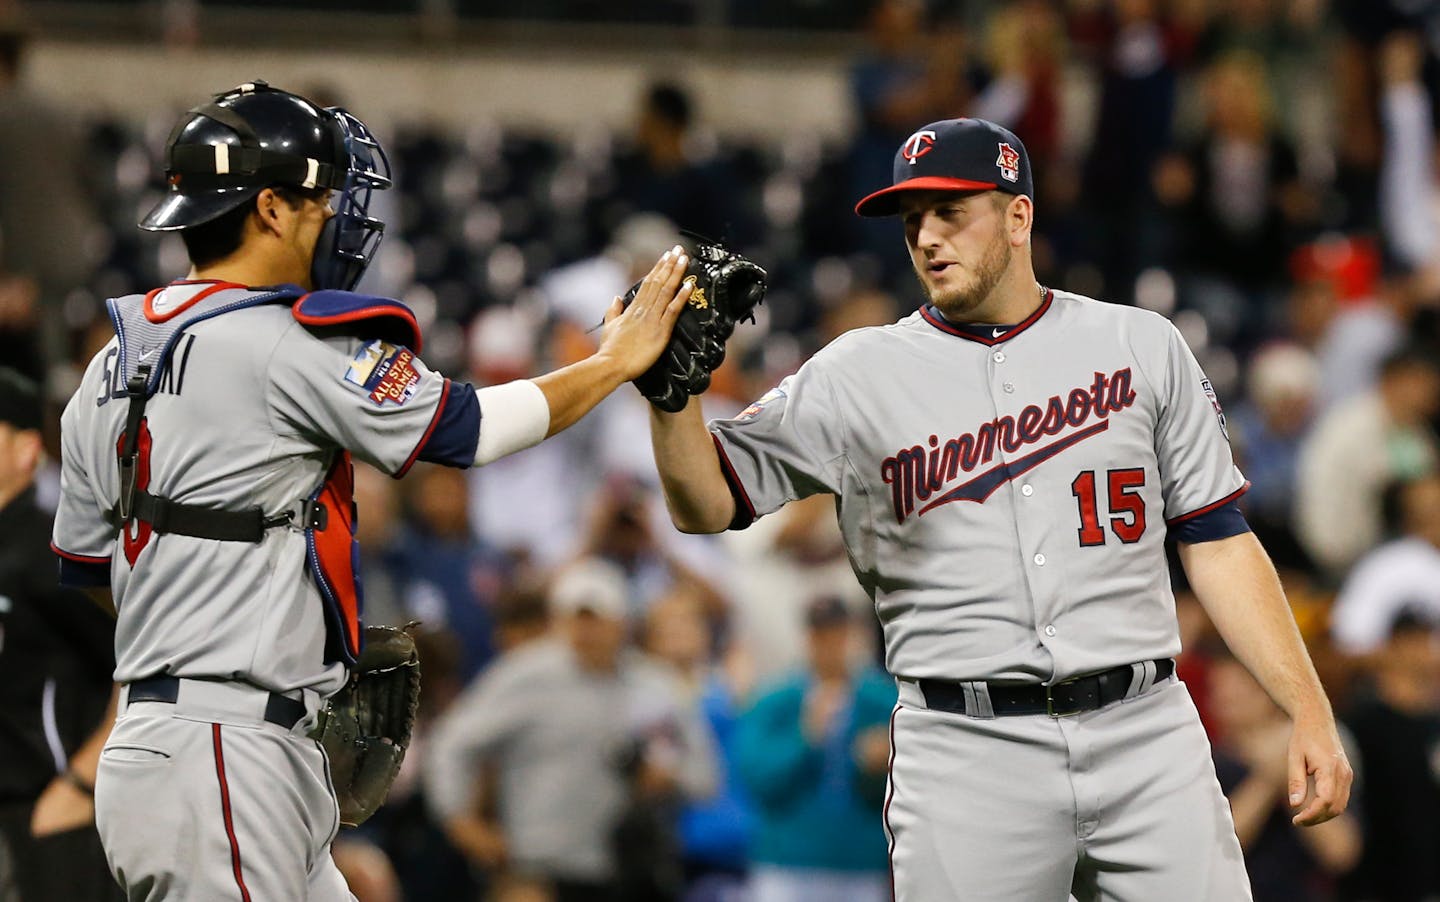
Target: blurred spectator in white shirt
{"x":1399,"y":575}
{"x":573,"y":725}
{"x":1357,"y":449}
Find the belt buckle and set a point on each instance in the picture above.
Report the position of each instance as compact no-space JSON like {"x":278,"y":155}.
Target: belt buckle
{"x":1050,"y":702}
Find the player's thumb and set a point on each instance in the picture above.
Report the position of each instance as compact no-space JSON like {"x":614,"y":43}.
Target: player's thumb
{"x":1297,"y":781}
{"x":617,"y":307}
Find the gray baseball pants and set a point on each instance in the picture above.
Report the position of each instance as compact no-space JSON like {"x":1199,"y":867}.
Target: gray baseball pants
{"x":204,"y":800}
{"x":1120,"y":804}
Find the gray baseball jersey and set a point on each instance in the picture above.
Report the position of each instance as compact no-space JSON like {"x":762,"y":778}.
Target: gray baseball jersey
{"x":250,"y":413}
{"x":1004,"y":499}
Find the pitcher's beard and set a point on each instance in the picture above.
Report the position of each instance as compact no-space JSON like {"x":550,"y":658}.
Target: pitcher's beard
{"x":958,"y":302}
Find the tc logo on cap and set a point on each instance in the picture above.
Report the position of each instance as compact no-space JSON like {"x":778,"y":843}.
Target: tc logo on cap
{"x":918,"y":145}
{"x":1008,"y":161}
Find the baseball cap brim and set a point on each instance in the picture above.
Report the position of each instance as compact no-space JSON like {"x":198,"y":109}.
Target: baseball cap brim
{"x":181,"y":211}
{"x":886,"y":201}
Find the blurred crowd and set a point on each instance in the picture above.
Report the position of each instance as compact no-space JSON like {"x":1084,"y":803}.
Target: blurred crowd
{"x":613,"y":710}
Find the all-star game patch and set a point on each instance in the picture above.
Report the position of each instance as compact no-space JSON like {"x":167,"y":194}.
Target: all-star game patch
{"x":754,"y":409}
{"x":386,"y":372}
{"x":1215,"y":403}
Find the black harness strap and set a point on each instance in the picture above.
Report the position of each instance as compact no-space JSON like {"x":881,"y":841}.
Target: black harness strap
{"x":166,"y":516}
{"x":129,"y":452}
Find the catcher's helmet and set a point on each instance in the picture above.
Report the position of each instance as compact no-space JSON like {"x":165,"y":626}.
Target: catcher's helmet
{"x":225,"y":152}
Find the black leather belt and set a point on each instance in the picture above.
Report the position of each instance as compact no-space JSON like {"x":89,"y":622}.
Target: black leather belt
{"x":1070,"y":697}
{"x":279,"y":710}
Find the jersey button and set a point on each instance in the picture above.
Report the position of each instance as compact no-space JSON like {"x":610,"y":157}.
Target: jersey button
{"x":1027,"y":490}
{"x":1049,"y":629}
{"x":999,"y":356}
{"x":1039,"y":560}
{"x":1010,"y":386}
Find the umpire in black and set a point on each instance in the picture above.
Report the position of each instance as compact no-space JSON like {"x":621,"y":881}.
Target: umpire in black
{"x":56,"y":658}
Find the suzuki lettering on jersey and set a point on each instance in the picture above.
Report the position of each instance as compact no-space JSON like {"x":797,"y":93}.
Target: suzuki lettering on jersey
{"x":171,"y":381}
{"x":386,"y":372}
{"x":918,"y":145}
{"x":917,"y":474}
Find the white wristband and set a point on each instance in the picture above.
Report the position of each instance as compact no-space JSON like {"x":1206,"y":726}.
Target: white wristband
{"x":513,"y":417}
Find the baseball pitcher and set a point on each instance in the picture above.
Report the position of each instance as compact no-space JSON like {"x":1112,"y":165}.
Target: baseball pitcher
{"x":1007,"y":464}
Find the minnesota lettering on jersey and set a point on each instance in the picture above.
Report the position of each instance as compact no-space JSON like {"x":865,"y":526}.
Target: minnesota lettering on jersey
{"x":917,"y":474}
{"x":171,"y":381}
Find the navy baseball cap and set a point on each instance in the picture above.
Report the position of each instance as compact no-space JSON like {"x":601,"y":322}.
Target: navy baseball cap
{"x":955,"y":155}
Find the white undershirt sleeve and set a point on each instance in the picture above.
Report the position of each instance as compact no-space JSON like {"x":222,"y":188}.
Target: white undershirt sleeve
{"x":513,"y":417}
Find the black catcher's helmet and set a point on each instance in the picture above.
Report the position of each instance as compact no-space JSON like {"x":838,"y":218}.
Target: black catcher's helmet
{"x":223,"y":153}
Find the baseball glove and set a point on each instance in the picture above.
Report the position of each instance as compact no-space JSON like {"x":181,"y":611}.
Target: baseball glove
{"x":366,"y":726}
{"x":725,"y":289}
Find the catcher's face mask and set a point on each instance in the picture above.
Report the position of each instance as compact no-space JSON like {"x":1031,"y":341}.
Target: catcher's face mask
{"x":350,"y":237}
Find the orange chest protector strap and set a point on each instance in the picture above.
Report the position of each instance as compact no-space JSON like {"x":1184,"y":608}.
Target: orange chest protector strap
{"x":333,"y":556}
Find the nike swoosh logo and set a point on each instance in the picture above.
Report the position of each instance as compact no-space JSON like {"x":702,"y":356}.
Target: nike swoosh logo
{"x":997,"y":333}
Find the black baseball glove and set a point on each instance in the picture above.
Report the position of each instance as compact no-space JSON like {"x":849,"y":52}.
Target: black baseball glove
{"x":366,"y":726}
{"x":726,"y":288}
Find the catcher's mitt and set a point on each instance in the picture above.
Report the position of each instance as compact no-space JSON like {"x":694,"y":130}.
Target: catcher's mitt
{"x":726,"y":288}
{"x":366,"y":726}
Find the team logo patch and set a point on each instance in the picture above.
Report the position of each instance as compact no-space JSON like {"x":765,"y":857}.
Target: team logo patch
{"x":771,"y":395}
{"x":1215,"y":403}
{"x":1009,"y":162}
{"x":918,"y":145}
{"x":385,"y":372}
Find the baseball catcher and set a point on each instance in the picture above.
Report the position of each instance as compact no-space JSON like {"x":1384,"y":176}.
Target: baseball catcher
{"x":207,"y":497}
{"x":725,"y":289}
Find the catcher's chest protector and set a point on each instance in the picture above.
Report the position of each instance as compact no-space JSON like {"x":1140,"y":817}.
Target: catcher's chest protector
{"x":147,"y":336}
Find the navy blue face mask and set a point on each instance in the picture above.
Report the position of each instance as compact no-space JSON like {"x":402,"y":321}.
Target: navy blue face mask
{"x":350,"y":238}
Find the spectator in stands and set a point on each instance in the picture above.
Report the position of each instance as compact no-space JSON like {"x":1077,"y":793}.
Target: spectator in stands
{"x":48,"y":220}
{"x":367,"y":872}
{"x":1285,"y":863}
{"x":377,"y":529}
{"x":916,"y":68}
{"x":715,"y":833}
{"x":560,"y":719}
{"x":1139,"y":54}
{"x":1025,"y":50}
{"x":1409,"y":181}
{"x":615,"y":437}
{"x":1266,"y":430}
{"x":528,"y":505}
{"x":1343,"y":311}
{"x":1404,"y":572}
{"x":1357,"y":449}
{"x":622,"y":531}
{"x":667,"y":172}
{"x":814,"y":752}
{"x":1288,"y":36}
{"x":56,"y":705}
{"x":522,"y":615}
{"x":1397,"y":732}
{"x":451,"y":577}
{"x":1236,"y":200}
